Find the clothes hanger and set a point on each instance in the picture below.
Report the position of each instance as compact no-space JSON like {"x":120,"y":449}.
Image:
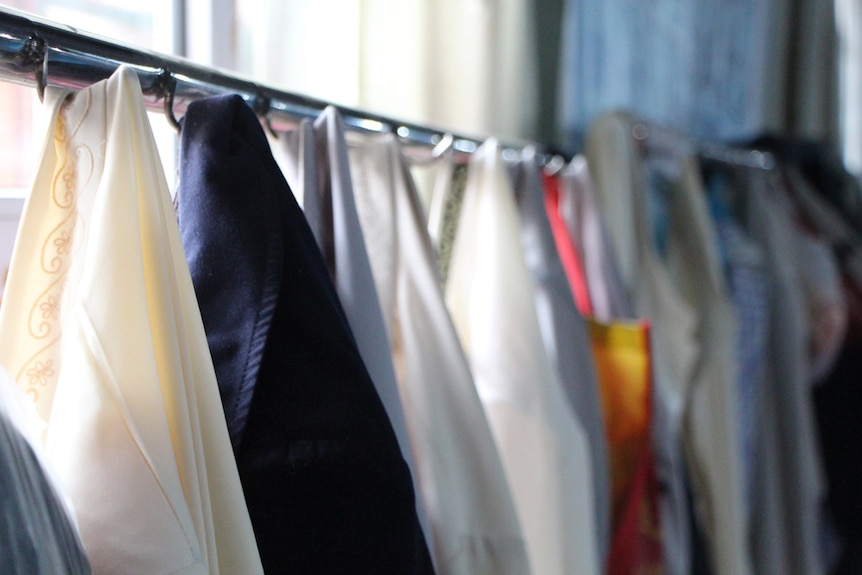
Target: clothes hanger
{"x":262,"y":105}
{"x":166,"y":86}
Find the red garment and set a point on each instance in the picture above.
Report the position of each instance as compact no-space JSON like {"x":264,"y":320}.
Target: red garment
{"x":569,"y":255}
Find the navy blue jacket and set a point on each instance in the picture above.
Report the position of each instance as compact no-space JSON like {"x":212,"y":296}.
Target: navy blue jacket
{"x":325,"y":483}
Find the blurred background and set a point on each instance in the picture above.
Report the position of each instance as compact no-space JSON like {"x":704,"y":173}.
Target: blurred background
{"x":537,"y":69}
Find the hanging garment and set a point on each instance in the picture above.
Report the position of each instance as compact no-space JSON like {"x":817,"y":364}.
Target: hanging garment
{"x":569,"y":255}
{"x":564,"y":331}
{"x":586,"y":227}
{"x":461,"y":479}
{"x":544,"y":449}
{"x":622,"y":353}
{"x":451,"y":214}
{"x":750,"y":291}
{"x":319,"y":154}
{"x":436,"y":175}
{"x":327,"y":488}
{"x":101,"y":328}
{"x":838,"y":397}
{"x":788,"y":415}
{"x":37,"y":534}
{"x":618,"y":187}
{"x":657,"y":215}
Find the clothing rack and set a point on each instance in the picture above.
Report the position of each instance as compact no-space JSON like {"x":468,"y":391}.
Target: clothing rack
{"x":40,"y":53}
{"x":651,"y":134}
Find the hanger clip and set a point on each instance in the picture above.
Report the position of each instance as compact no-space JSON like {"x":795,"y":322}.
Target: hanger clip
{"x":34,"y":56}
{"x":166,"y":86}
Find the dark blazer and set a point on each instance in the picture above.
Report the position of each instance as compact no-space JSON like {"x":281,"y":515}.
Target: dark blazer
{"x":325,"y":483}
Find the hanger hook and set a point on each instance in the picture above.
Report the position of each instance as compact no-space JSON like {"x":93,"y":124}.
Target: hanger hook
{"x":444,"y":145}
{"x":34,"y":55}
{"x":166,"y":86}
{"x":554,"y":164}
{"x":262,"y":105}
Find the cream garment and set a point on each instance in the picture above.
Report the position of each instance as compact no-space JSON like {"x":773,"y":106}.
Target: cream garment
{"x":317,"y":169}
{"x":461,"y":479}
{"x":544,"y":449}
{"x":100,"y":327}
{"x":682,"y":293}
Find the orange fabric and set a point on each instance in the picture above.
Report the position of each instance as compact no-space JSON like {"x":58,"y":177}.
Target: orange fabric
{"x":623,"y":366}
{"x":569,"y":256}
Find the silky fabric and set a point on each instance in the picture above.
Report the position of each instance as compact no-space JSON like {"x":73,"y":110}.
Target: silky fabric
{"x":563,"y":330}
{"x":101,"y":328}
{"x":327,"y":488}
{"x":461,"y":478}
{"x":37,"y":533}
{"x":624,"y":368}
{"x":317,"y":156}
{"x":544,"y":449}
{"x":584,"y":222}
{"x":679,"y":287}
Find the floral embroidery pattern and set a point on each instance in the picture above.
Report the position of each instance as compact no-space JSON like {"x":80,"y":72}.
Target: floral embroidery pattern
{"x":40,"y":372}
{"x":50,"y":308}
{"x":74,"y":167}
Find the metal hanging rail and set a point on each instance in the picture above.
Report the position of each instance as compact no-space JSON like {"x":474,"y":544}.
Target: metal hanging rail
{"x":39,"y":53}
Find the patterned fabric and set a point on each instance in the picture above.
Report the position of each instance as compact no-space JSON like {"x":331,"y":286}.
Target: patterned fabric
{"x":102,"y":329}
{"x":750,"y":292}
{"x":622,"y":353}
{"x":451,"y":215}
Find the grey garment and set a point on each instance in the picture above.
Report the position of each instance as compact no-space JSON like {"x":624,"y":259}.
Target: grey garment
{"x":318,"y":158}
{"x":564,"y":332}
{"x":791,"y":495}
{"x":36,"y":535}
{"x":750,"y":293}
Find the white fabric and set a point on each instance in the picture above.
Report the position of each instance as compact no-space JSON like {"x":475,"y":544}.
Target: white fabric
{"x":564,"y":333}
{"x":318,"y":171}
{"x":682,"y":293}
{"x":461,"y":478}
{"x":100,"y":326}
{"x":543,"y":447}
